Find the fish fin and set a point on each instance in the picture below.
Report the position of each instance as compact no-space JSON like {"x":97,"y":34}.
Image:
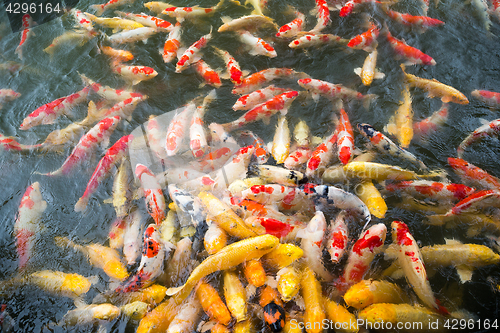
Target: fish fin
{"x":108,"y":201}
{"x":299,"y":301}
{"x":483,"y":121}
{"x":391,"y":128}
{"x":473,"y":232}
{"x":398,"y":274}
{"x":444,"y":99}
{"x":409,"y":63}
{"x":99,"y":9}
{"x":452,"y":241}
{"x":174,"y":290}
{"x":378,"y":75}
{"x":226,"y":19}
{"x":436,"y":220}
{"x":266,"y":120}
{"x":315,"y":97}
{"x":391,"y":252}
{"x":81,"y":205}
{"x":465,"y":273}
{"x":357,"y":71}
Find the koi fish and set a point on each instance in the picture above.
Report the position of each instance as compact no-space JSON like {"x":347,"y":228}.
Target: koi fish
{"x":90,"y":314}
{"x":236,"y":168}
{"x":114,"y":154}
{"x":490,"y":98}
{"x":132,"y":36}
{"x":172,"y":44}
{"x":471,"y":174}
{"x":362,"y":254}
{"x":279,"y":103}
{"x":117,"y":55}
{"x":27,"y":225}
{"x":259,"y":79}
{"x":487,"y":130}
{"x":108,"y":93}
{"x":182,"y":13}
{"x":345,"y":138}
{"x":185,"y":319}
{"x":422,"y":23}
{"x":114,"y":23}
{"x":48,"y":113}
{"x":228,"y":257}
{"x":475,"y":201}
{"x":177,"y":128}
{"x":292,"y":28}
{"x":435,"y":88}
{"x":151,"y":266}
{"x":220,"y":135}
{"x":412,"y":55}
{"x":302,"y":134}
{"x":192,"y":54}
{"x":337,"y":238}
{"x":249,"y":22}
{"x":481,"y":7}
{"x":368,"y":292}
{"x":155,"y":134}
{"x":212,"y":303}
{"x":189,"y":204}
{"x":215,"y":239}
{"x":100,"y":256}
{"x":99,"y":9}
{"x":157,"y":6}
{"x":82,"y":19}
{"x":7,"y":95}
{"x":401,"y":124}
{"x":27,"y":23}
{"x":155,"y":201}
{"x":385,"y":145}
{"x":8,"y":143}
{"x":288,"y":282}
{"x":99,"y":134}
{"x":368,"y":72}
{"x":410,"y":259}
{"x":430,"y":125}
{"x":322,"y":155}
{"x":235,"y":296}
{"x":311,"y":292}
{"x":232,"y":66}
{"x":312,"y":40}
{"x":297,"y":158}
{"x":281,"y":141}
{"x":284,"y":196}
{"x":135,"y":74}
{"x":74,"y":38}
{"x":261,"y":152}
{"x":197,"y":138}
{"x":210,"y":76}
{"x":340,"y":316}
{"x":372,"y":198}
{"x":274,"y":174}
{"x":256,"y":45}
{"x":148,"y":21}
{"x":322,"y":15}
{"x":122,"y":195}
{"x":432,"y":190}
{"x":366,"y":41}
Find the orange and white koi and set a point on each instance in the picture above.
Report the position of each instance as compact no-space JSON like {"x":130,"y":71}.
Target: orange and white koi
{"x":292,"y":28}
{"x":7,"y":95}
{"x":312,"y":239}
{"x":116,"y":55}
{"x":261,"y":153}
{"x":248,"y":208}
{"x":27,"y":224}
{"x":197,"y":137}
{"x":490,"y":98}
{"x":368,"y":72}
{"x":213,"y":160}
{"x":362,"y":254}
{"x":125,"y":107}
{"x":345,"y":138}
{"x":333,"y":91}
{"x":210,"y":76}
{"x":285,"y":197}
{"x":232,"y":66}
{"x":148,"y":21}
{"x":386,"y":146}
{"x":108,"y":93}
{"x":27,"y":23}
{"x":114,"y":154}
{"x":350,"y":5}
{"x":312,"y":40}
{"x":132,"y":237}
{"x":281,"y":141}
{"x":192,"y":54}
{"x":257,"y":97}
{"x":432,"y":190}
{"x":182,"y":13}
{"x":99,"y":134}
{"x":412,"y":55}
{"x":476,"y":201}
{"x":249,"y":22}
{"x":155,"y":201}
{"x":177,"y":129}
{"x":297,"y":158}
{"x":215,"y":238}
{"x":401,"y":123}
{"x":155,"y":134}
{"x":8,"y":143}
{"x":151,"y":266}
{"x":337,"y":238}
{"x":99,"y":9}
{"x":134,"y":35}
{"x":48,"y":113}
{"x":487,"y":130}
{"x":323,"y":16}
{"x":172,"y":44}
{"x":422,"y":23}
{"x":264,"y":111}
{"x":322,"y":155}
{"x":410,"y":259}
{"x":366,"y":41}
{"x":435,"y":88}
{"x":134,"y":74}
{"x":471,"y":174}
{"x":257,"y":80}
{"x":82,"y":19}
{"x":256,"y":45}
{"x":430,"y":125}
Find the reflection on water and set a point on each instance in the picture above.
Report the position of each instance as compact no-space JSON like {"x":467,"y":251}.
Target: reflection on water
{"x":467,"y":57}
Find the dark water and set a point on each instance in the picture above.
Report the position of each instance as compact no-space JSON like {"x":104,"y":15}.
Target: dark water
{"x":467,"y":58}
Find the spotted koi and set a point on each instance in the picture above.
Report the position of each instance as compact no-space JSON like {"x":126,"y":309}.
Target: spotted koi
{"x":82,"y":20}
{"x":322,"y":15}
{"x":234,"y":169}
{"x":490,"y":98}
{"x":177,"y":129}
{"x":99,"y":9}
{"x":321,"y":156}
{"x":232,"y":66}
{"x":292,"y":28}
{"x":125,"y":107}
{"x":312,"y":40}
{"x":334,"y":91}
{"x":134,"y":74}
{"x":27,"y":23}
{"x":278,"y":175}
{"x":256,"y":45}
{"x":351,"y":5}
{"x":286,"y":197}
{"x":210,"y":76}
{"x":366,"y":41}
{"x":257,"y":97}
{"x":155,"y":134}
{"x":345,"y":138}
{"x":172,"y":44}
{"x":111,"y":94}
{"x":338,"y":237}
{"x":433,"y":190}
{"x":192,"y":54}
{"x":430,"y":125}
{"x":487,"y":130}
{"x":7,"y":95}
{"x":422,"y":23}
{"x":182,"y":13}
{"x":261,"y":153}
{"x":412,"y":55}
{"x":297,"y":158}
{"x":259,"y":79}
{"x":197,"y":137}
{"x":155,"y":201}
{"x":475,"y":201}
{"x":148,"y":21}
{"x":471,"y":174}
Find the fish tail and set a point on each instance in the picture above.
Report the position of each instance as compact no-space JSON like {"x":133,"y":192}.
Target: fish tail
{"x":99,"y":9}
{"x":436,"y":220}
{"x":81,"y":205}
{"x":439,"y":173}
{"x":64,"y":242}
{"x":174,"y":290}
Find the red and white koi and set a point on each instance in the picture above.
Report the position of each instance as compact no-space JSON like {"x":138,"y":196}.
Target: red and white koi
{"x":256,"y":45}
{"x":322,"y":155}
{"x":197,"y":137}
{"x":278,"y":175}
{"x":99,"y":9}
{"x":131,"y":36}
{"x":177,"y":129}
{"x":155,"y":134}
{"x":232,"y":66}
{"x":386,"y":146}
{"x":432,"y":190}
{"x":471,"y":174}
{"x":292,"y":28}
{"x":412,"y":55}
{"x":48,"y":113}
{"x":82,"y":19}
{"x":410,"y":259}
{"x":257,"y":97}
{"x":8,"y":143}
{"x":366,"y":41}
{"x":286,"y":231}
{"x":148,"y":21}
{"x":487,"y":130}
{"x":286,"y":197}
{"x":172,"y":44}
{"x":134,"y":74}
{"x":312,"y":40}
{"x":151,"y":266}
{"x":311,"y":243}
{"x":422,"y":23}
{"x":368,"y":72}
{"x":210,"y":76}
{"x":495,"y":8}
{"x":350,"y":5}
{"x":362,"y":253}
{"x":323,"y":16}
{"x":125,"y":107}
{"x":192,"y":54}
{"x":27,"y":224}
{"x":490,"y":98}
{"x":182,"y":13}
{"x":281,"y":141}
{"x":333,"y":91}
{"x":337,"y":238}
{"x":345,"y":138}
{"x":476,"y":201}
{"x":264,"y":111}
{"x":155,"y":201}
{"x":213,"y":160}
{"x":220,"y":135}
{"x":261,"y":152}
{"x":297,"y":158}
{"x":114,"y":154}
{"x":259,"y":79}
{"x":236,"y":168}
{"x":7,"y":95}
{"x":108,"y":93}
{"x":431,"y":124}
{"x":27,"y":23}
{"x":99,"y":134}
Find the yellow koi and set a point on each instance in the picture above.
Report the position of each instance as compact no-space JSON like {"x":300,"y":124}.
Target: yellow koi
{"x":282,"y":256}
{"x":158,"y":320}
{"x":235,"y":296}
{"x":135,"y":310}
{"x":340,"y":317}
{"x":313,"y":299}
{"x":372,"y":198}
{"x":115,"y":23}
{"x":288,"y":282}
{"x":401,"y":124}
{"x":368,"y":292}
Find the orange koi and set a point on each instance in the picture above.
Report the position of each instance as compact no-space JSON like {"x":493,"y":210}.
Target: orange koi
{"x":192,"y":54}
{"x":172,"y":44}
{"x":155,"y":201}
{"x":412,"y":55}
{"x":366,"y":41}
{"x":259,"y":79}
{"x":210,"y":76}
{"x":311,"y":40}
{"x":345,"y":138}
{"x":471,"y":174}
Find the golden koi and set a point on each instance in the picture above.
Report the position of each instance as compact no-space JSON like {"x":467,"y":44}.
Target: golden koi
{"x":401,"y":124}
{"x":368,"y":72}
{"x":281,"y":141}
{"x":368,"y":292}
